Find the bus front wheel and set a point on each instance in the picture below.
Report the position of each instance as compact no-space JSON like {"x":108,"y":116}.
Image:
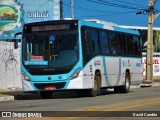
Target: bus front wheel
{"x":46,"y":94}
{"x":96,"y":89}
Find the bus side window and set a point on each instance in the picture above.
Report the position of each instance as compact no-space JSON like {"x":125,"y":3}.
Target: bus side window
{"x":86,"y":42}
{"x":87,"y":49}
{"x":130,"y":45}
{"x":104,"y":42}
{"x":137,"y":47}
{"x":121,"y":44}
{"x":113,"y":42}
{"x":95,"y":42}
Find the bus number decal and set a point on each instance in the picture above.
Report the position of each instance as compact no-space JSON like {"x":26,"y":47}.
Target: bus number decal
{"x":97,"y":63}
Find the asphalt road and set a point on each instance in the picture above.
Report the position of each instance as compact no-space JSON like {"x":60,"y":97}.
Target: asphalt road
{"x":138,"y":102}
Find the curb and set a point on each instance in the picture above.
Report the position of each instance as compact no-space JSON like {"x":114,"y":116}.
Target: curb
{"x":16,"y":95}
{"x":6,"y":98}
{"x":145,"y":85}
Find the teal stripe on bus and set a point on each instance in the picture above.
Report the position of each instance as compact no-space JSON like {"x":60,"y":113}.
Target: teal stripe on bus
{"x":105,"y":71}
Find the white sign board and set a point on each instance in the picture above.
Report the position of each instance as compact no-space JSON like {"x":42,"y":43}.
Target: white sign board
{"x":156,"y":67}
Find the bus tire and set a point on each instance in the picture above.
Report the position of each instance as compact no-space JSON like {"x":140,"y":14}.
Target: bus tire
{"x":126,"y":87}
{"x":96,"y":89}
{"x":46,"y":94}
{"x":99,"y":85}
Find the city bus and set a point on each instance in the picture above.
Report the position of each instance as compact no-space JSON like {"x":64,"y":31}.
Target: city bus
{"x":79,"y":55}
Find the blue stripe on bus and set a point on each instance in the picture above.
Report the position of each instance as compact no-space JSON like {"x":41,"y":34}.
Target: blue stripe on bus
{"x":36,"y":63}
{"x":105,"y":71}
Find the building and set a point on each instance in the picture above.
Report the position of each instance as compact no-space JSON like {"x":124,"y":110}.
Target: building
{"x":13,"y":15}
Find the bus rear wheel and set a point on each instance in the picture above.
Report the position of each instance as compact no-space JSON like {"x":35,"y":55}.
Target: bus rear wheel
{"x":46,"y":94}
{"x":126,"y":87}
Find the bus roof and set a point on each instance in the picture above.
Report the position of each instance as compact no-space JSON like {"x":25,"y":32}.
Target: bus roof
{"x":50,"y":22}
{"x":107,"y":26}
{"x":138,"y":27}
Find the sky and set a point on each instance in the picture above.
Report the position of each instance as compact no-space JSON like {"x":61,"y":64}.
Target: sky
{"x":121,"y":12}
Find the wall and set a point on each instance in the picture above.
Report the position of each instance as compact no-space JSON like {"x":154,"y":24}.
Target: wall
{"x":10,"y":75}
{"x":13,"y":15}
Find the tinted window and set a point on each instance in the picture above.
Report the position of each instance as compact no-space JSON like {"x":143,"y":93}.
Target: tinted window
{"x":104,"y":42}
{"x":58,"y":50}
{"x":122,"y":44}
{"x":95,"y":43}
{"x":87,"y":47}
{"x":113,"y":43}
{"x":137,"y":47}
{"x":130,"y":45}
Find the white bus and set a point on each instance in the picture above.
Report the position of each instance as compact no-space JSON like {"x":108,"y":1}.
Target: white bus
{"x":79,"y":55}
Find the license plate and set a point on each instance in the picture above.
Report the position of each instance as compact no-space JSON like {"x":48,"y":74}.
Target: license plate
{"x":50,"y":88}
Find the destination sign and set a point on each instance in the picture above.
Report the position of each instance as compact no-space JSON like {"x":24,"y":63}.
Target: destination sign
{"x":51,"y":27}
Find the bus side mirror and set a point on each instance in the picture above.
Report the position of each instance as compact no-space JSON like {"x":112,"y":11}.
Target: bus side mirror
{"x":15,"y":35}
{"x":15,"y":44}
{"x":16,"y":41}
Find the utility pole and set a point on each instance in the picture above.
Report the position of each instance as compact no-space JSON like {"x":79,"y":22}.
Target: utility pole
{"x":149,"y":63}
{"x":72,"y":10}
{"x":61,"y":10}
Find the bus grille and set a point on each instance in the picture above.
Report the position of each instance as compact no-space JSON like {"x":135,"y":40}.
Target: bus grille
{"x":56,"y":85}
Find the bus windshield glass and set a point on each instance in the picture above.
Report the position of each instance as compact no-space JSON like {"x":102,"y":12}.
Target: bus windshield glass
{"x":50,"y":51}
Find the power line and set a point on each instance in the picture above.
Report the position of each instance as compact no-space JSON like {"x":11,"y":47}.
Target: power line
{"x":155,"y":4}
{"x":157,"y":11}
{"x":129,"y":3}
{"x":155,"y":1}
{"x":93,"y":10}
{"x":115,"y":5}
{"x":109,"y":14}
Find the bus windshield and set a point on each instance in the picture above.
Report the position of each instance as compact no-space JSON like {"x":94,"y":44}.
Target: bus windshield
{"x":50,"y":51}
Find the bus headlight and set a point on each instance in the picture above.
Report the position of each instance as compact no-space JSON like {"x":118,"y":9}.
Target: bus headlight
{"x":25,"y":77}
{"x":75,"y":74}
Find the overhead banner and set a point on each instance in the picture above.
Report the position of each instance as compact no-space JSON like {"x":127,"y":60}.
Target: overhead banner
{"x":15,"y":13}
